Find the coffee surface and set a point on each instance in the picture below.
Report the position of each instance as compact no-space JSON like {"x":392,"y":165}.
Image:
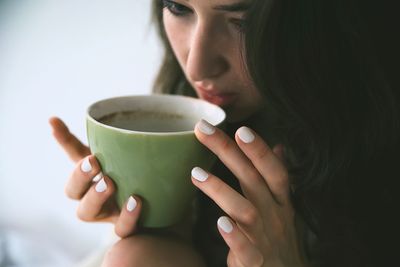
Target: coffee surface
{"x":149,"y":121}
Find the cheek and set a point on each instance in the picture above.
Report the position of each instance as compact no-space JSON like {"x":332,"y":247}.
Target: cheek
{"x":177,"y":34}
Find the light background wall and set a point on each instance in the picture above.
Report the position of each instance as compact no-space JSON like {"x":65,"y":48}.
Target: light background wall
{"x":56,"y":58}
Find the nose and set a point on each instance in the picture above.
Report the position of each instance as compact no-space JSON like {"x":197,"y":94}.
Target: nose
{"x":206,"y":59}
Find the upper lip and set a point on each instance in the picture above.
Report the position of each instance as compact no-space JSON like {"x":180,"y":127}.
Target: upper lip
{"x":213,"y":90}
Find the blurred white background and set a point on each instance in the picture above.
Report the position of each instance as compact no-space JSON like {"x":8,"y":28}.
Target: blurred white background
{"x":56,"y":58}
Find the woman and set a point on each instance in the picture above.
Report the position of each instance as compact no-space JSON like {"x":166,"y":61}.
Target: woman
{"x":310,"y":181}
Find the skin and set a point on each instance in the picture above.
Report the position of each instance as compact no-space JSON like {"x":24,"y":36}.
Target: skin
{"x":207,"y":45}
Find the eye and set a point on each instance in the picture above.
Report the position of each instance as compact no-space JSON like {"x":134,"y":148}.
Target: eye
{"x":175,"y":8}
{"x":239,"y":24}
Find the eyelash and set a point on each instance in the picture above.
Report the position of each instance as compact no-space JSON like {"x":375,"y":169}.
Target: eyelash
{"x":179,"y":10}
{"x":175,"y":8}
{"x":239,"y":24}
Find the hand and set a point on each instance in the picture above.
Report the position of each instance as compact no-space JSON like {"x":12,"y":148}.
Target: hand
{"x":91,"y":188}
{"x":261,"y":229}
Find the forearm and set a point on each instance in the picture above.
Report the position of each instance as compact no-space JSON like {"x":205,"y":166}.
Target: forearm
{"x":152,"y":251}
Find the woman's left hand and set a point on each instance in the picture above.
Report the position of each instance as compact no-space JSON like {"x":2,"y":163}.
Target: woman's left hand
{"x":261,"y":229}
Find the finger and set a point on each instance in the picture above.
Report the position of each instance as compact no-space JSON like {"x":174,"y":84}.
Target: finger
{"x":127,"y":221}
{"x":266,"y":162}
{"x":243,"y":251}
{"x":230,"y":201}
{"x":232,"y":260}
{"x":253,"y":185}
{"x":93,"y":202}
{"x":278,"y":150}
{"x":82,"y":177}
{"x":72,"y":146}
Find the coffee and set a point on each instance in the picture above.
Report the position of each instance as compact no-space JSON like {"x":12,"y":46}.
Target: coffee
{"x":149,"y":121}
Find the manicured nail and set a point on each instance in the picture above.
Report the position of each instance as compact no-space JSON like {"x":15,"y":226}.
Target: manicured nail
{"x":205,"y":127}
{"x":225,"y":224}
{"x":86,"y":166}
{"x":131,"y":205}
{"x":101,"y":186}
{"x":97,"y":177}
{"x":199,"y":174}
{"x":246,"y":135}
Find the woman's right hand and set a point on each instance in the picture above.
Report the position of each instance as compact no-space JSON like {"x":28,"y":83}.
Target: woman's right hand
{"x":93,"y":189}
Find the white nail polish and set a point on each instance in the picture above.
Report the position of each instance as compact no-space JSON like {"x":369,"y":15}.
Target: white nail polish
{"x":101,"y":186}
{"x":225,"y":224}
{"x":199,"y":174}
{"x":97,"y":177}
{"x":206,"y":128}
{"x":246,"y":135}
{"x":131,"y":205}
{"x":86,"y":166}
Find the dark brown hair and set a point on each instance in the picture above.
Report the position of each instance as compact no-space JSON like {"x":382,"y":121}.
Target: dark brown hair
{"x":326,"y":69}
{"x":170,"y":79}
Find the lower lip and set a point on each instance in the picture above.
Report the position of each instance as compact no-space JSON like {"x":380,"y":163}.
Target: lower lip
{"x":219,"y":100}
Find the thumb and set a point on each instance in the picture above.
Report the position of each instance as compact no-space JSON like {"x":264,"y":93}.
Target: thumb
{"x":71,"y":145}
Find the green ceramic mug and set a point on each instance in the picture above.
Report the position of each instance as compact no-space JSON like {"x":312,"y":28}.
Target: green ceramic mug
{"x":146,"y":144}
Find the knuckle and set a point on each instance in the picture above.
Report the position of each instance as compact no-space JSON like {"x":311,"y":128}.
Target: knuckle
{"x":124,"y":227}
{"x":230,"y":261}
{"x":249,"y":216}
{"x":262,"y":153}
{"x":241,"y":248}
{"x":225,"y":145}
{"x":281,"y":183}
{"x":285,"y":184}
{"x":83,"y":215}
{"x":284,"y":181}
{"x":280,"y":171}
{"x":68,"y":192}
{"x":119,"y":231}
{"x":254,"y":176}
{"x":71,"y":194}
{"x":280,"y":230}
{"x":216,"y":187}
{"x":259,"y":260}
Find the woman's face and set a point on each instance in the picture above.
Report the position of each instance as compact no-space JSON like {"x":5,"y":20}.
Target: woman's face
{"x":205,"y":36}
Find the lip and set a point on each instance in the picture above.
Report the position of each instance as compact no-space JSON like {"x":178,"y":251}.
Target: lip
{"x":217,"y":98}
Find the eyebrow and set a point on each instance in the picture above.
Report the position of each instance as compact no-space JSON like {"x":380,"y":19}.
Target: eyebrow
{"x":236,"y":7}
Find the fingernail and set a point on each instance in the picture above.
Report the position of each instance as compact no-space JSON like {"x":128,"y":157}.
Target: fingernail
{"x":225,"y":224}
{"x":86,"y":166}
{"x":205,"y":127}
{"x":246,"y":135}
{"x":199,"y":174}
{"x":101,"y":186}
{"x":97,"y":177}
{"x":131,"y":205}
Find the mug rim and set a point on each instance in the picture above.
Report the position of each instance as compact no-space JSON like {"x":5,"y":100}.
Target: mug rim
{"x":89,"y":117}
